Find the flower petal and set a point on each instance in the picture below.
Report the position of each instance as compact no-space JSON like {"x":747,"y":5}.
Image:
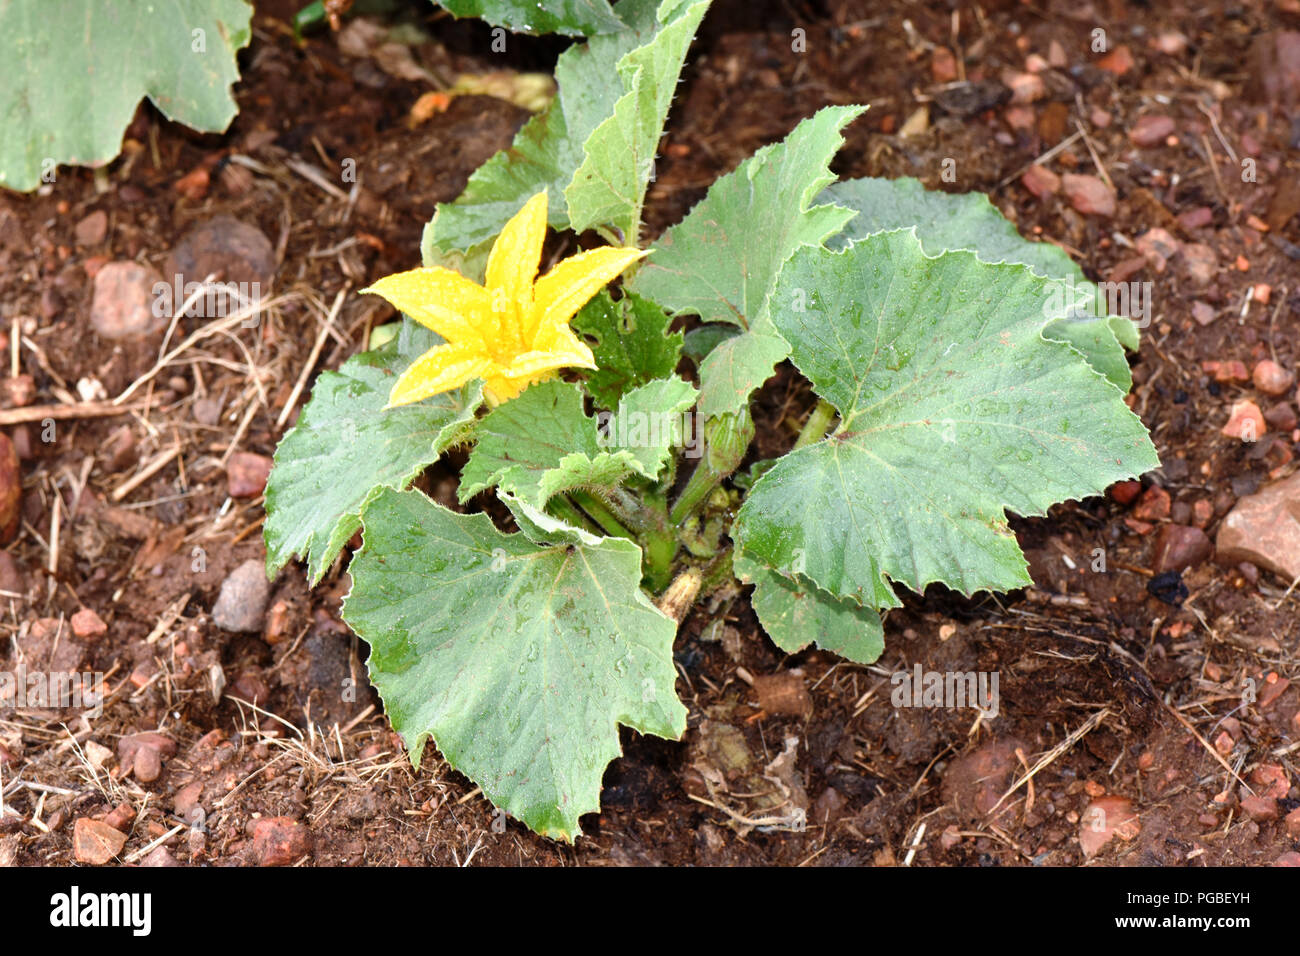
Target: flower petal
{"x":567,"y":288}
{"x":532,"y":363}
{"x":439,"y":299}
{"x":515,"y":256}
{"x":438,"y":370}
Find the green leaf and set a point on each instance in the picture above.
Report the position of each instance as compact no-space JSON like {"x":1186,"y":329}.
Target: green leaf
{"x":947,"y":221}
{"x":631,"y":343}
{"x":703,"y":339}
{"x":542,"y":528}
{"x":648,"y":423}
{"x":955,"y":409}
{"x":542,"y":443}
{"x":609,"y":187}
{"x":519,"y":661}
{"x":737,"y":366}
{"x":570,"y":17}
{"x":346,"y":447}
{"x":795,"y":613}
{"x":722,"y":260}
{"x":66,"y":99}
{"x":549,"y":149}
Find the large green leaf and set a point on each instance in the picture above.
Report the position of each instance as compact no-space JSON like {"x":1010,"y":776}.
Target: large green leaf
{"x":73,"y":71}
{"x":550,"y":148}
{"x":631,"y":343}
{"x":721,"y":262}
{"x":795,"y":613}
{"x":571,"y":17}
{"x":542,"y":443}
{"x":519,"y":661}
{"x":946,"y":221}
{"x":954,"y":410}
{"x":609,"y":187}
{"x":346,"y":447}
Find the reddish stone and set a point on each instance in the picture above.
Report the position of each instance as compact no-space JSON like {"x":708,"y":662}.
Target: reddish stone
{"x":1179,"y":547}
{"x":1151,"y":130}
{"x":1153,"y":505}
{"x":1089,"y":195}
{"x":246,"y":474}
{"x":280,"y":841}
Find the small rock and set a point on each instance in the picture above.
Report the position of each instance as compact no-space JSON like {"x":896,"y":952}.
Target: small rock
{"x":280,"y":841}
{"x":123,"y":303}
{"x":1157,"y":247}
{"x":1056,"y":55}
{"x":1245,"y":421}
{"x":232,"y":250}
{"x":1040,"y":181}
{"x":1151,"y":130}
{"x":159,"y":856}
{"x":1271,"y":688}
{"x":88,"y":626}
{"x":1203,"y":313}
{"x":943,"y":65}
{"x":1179,"y":547}
{"x":1153,"y":505}
{"x":1170,"y":42}
{"x":207,"y":411}
{"x":1259,"y":809}
{"x":1289,"y":858}
{"x":1264,"y":529}
{"x":1089,"y":195}
{"x":1118,"y":61}
{"x":1200,"y":262}
{"x":1270,"y":780}
{"x":186,"y":801}
{"x":1105,"y":819}
{"x":92,"y":230}
{"x":1271,"y":378}
{"x":144,"y":754}
{"x":95,"y":842}
{"x":1025,"y":87}
{"x":246,"y":474}
{"x":242,"y":602}
{"x":1125,"y":492}
{"x":1281,"y":417}
{"x":121,"y":817}
{"x":1292,"y":823}
{"x":11,"y":490}
{"x":1197,"y":218}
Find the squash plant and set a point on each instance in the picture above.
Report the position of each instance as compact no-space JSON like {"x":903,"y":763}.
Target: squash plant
{"x":951,"y":392}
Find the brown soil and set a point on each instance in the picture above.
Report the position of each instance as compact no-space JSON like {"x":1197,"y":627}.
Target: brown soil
{"x":1126,"y":693}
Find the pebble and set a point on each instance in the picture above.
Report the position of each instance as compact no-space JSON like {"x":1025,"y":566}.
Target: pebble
{"x":279,"y":841}
{"x":88,"y":626}
{"x":1118,"y":61}
{"x":1179,"y":547}
{"x":1151,"y":130}
{"x":1245,"y":421}
{"x":1125,"y":492}
{"x":95,"y":842}
{"x":1259,"y":809}
{"x":1025,"y":87}
{"x":144,"y":754}
{"x":207,"y":411}
{"x":159,"y":856}
{"x":1153,"y":505}
{"x":1157,"y":247}
{"x":242,"y":602}
{"x":1197,"y":218}
{"x":122,"y":307}
{"x":1170,"y":42}
{"x":92,"y":229}
{"x":1200,"y":262}
{"x":1040,"y":181}
{"x":1089,"y":195}
{"x":11,"y":490}
{"x":246,"y":474}
{"x":232,"y":250}
{"x":1271,"y":378}
{"x":1292,"y":823}
{"x":1262,"y":529}
{"x":1203,"y":313}
{"x":783,"y":694}
{"x":1281,"y":416}
{"x":1105,"y":819}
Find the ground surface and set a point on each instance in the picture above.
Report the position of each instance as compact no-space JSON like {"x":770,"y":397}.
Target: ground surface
{"x":1127,"y":698}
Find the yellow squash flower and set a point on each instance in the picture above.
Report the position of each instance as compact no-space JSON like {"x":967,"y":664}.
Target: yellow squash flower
{"x":512,"y":331}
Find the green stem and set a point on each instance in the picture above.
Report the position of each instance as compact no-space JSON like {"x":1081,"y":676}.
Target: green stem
{"x":717,"y":573}
{"x":702,"y":481}
{"x":563,"y":509}
{"x":814,"y":430}
{"x":601,"y":514}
